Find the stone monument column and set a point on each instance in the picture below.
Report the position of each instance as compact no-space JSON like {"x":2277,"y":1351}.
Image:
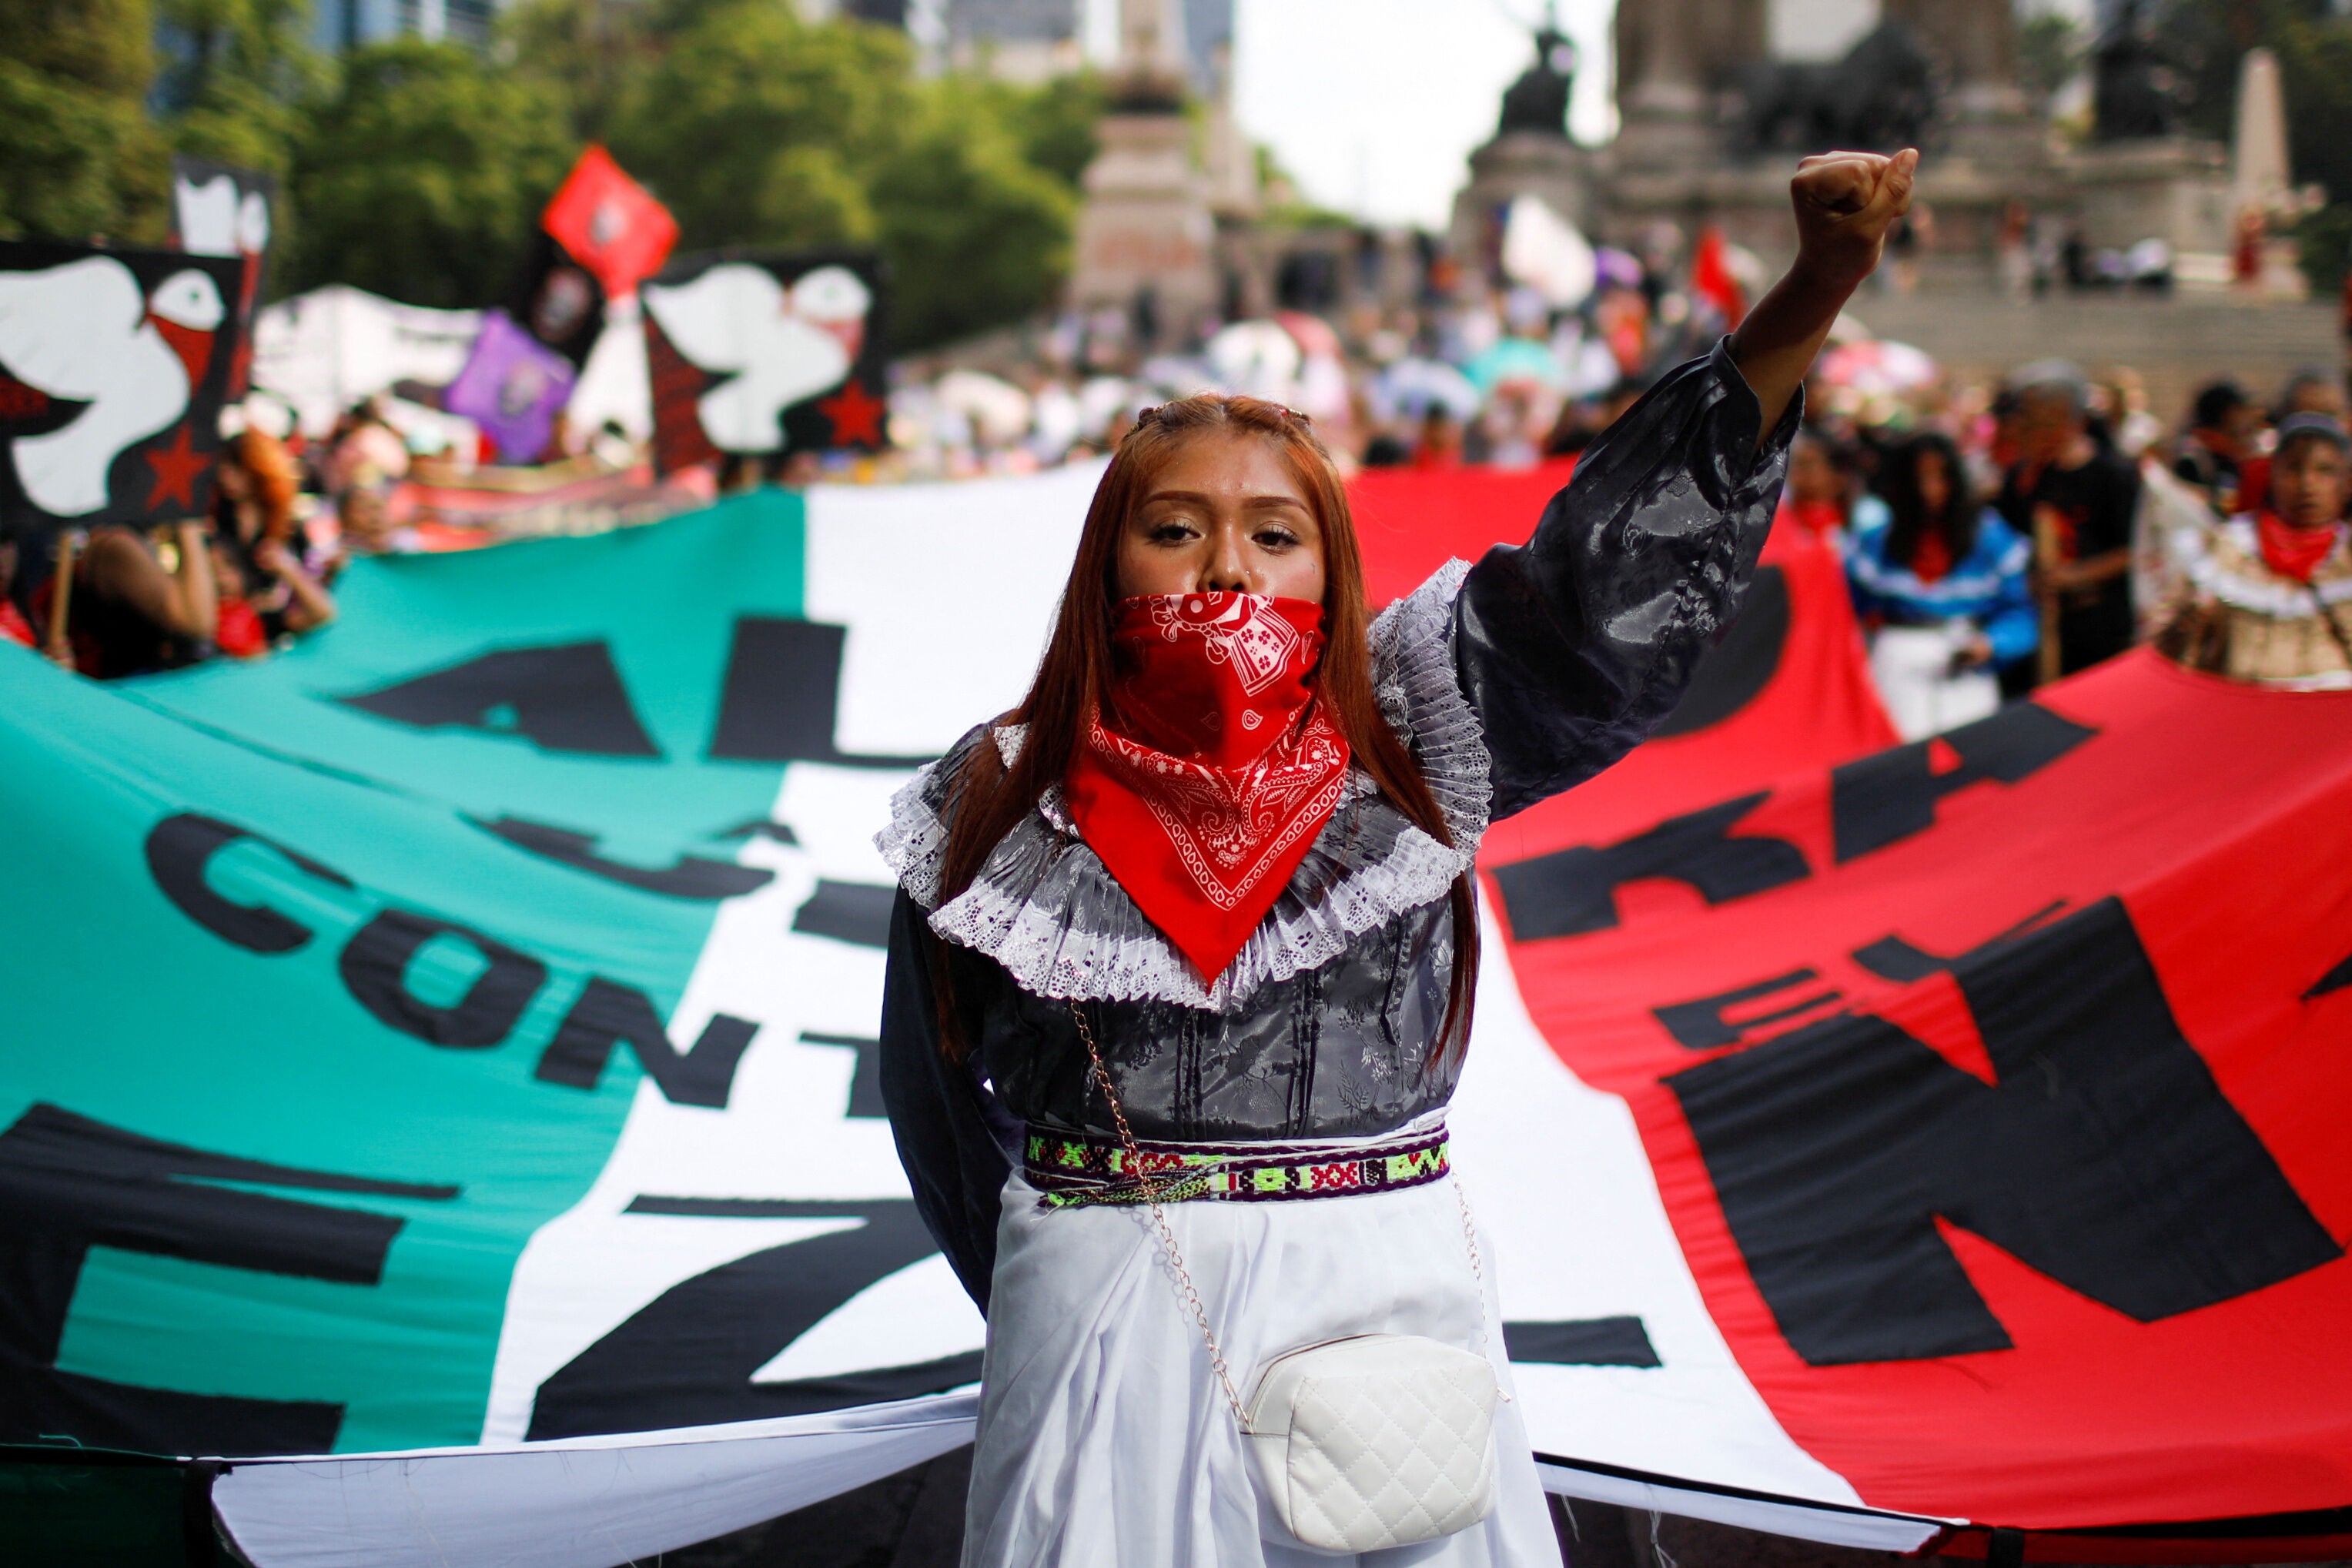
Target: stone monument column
{"x":1145,"y":234}
{"x":1662,"y":90}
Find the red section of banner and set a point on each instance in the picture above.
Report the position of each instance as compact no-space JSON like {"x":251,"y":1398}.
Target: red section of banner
{"x":1995,"y":1087}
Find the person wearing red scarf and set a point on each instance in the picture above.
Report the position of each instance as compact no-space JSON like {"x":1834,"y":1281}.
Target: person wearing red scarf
{"x":2267,"y":596}
{"x":1182,"y":959}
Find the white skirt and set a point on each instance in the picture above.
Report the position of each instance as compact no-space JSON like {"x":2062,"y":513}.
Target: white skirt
{"x":1104,"y":1439}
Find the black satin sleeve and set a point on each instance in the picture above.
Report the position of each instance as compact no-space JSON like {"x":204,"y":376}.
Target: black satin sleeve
{"x":956,"y":1142}
{"x":1573,"y":646}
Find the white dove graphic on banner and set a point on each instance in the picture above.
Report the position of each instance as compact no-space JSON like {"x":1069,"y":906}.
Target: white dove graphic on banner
{"x":83,"y":333}
{"x":777,"y":346}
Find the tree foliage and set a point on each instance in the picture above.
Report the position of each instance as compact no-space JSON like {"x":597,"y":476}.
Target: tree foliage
{"x":422,"y":174}
{"x":78,"y":155}
{"x":417,"y":170}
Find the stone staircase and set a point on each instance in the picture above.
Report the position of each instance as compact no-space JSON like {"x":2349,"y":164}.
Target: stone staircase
{"x":2176,"y":342}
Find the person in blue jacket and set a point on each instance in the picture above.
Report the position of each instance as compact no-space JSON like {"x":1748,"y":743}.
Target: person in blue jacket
{"x":1939,"y":583}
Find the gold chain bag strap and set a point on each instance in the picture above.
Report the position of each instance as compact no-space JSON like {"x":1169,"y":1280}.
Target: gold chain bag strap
{"x":1356,"y":1444}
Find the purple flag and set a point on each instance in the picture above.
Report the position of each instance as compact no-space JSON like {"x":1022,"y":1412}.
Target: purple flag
{"x":513,"y":386}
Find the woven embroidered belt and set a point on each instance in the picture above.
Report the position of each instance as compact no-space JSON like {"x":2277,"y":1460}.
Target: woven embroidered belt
{"x":1071,"y":1170}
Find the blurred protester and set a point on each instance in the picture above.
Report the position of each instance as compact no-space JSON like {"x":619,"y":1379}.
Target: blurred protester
{"x":2222,"y":430}
{"x":262,"y":588}
{"x":2121,"y":403}
{"x":2268,"y":595}
{"x":366,"y":524}
{"x":1939,"y":582}
{"x":2309,"y":392}
{"x":127,"y":614}
{"x":1815,"y":496}
{"x":14,"y":627}
{"x":1440,"y":445}
{"x":2074,"y":500}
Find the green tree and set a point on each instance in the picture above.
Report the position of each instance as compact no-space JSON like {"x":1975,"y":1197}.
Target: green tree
{"x":422,"y":176}
{"x":2051,"y":48}
{"x":592,"y":50}
{"x":78,"y":156}
{"x":976,"y":232}
{"x":757,"y":128}
{"x":242,"y":76}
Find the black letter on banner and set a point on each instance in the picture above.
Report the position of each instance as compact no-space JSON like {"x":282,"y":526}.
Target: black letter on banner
{"x":178,"y":851}
{"x":864,"y":1078}
{"x":564,"y":698}
{"x":607,"y":1015}
{"x":2106,"y":1157}
{"x":854,"y":911}
{"x":782,"y":694}
{"x":1570,"y":892}
{"x":691,"y":876}
{"x":688,"y":1359}
{"x":1890,"y":795}
{"x":69,"y":1184}
{"x":375,"y":971}
{"x":1700,"y":1025}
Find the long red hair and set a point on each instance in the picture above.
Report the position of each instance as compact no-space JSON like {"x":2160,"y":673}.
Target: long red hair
{"x":987,"y":799}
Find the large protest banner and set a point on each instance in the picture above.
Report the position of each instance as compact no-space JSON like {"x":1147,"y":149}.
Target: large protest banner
{"x":453,"y":1035}
{"x":113,"y":368}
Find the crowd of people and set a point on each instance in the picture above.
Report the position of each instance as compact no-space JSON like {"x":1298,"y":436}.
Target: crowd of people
{"x":1988,"y":552}
{"x":288,"y":515}
{"x":1994,"y":538}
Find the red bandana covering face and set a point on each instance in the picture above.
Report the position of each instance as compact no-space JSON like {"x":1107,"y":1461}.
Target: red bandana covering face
{"x":2290,"y":551}
{"x":1204,"y":784}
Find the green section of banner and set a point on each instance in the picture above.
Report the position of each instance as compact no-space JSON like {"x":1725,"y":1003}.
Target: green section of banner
{"x":260,"y":924}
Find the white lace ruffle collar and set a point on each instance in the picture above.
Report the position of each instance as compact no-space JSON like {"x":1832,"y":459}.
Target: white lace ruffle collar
{"x":1046,"y":909}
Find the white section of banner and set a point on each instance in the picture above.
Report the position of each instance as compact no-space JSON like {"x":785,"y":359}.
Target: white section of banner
{"x":589,"y":1503}
{"x":786,"y":1135}
{"x":324,"y":350}
{"x":948,"y":591}
{"x":1559,"y":1179}
{"x":1870,"y":1530}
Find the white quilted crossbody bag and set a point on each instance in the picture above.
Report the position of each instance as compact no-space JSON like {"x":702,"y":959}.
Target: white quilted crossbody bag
{"x":1356,"y":1444}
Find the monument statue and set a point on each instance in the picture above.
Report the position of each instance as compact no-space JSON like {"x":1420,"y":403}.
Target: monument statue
{"x":1882,"y":97}
{"x":1537,"y":101}
{"x":2137,"y":90}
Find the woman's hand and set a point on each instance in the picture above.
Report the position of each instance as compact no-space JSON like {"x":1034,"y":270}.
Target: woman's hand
{"x":1846,"y":204}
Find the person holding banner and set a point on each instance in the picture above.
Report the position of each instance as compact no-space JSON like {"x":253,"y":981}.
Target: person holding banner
{"x":1940,"y":584}
{"x":1181,"y":964}
{"x":2267,"y":596}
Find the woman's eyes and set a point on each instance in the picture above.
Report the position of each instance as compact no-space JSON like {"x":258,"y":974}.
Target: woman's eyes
{"x":1275,"y":538}
{"x":1172,"y":532}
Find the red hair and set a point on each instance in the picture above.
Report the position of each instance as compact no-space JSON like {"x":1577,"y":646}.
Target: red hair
{"x":987,"y":799}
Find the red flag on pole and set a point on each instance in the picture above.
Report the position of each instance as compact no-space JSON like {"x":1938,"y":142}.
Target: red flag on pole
{"x":1711,"y":277}
{"x":610,"y":224}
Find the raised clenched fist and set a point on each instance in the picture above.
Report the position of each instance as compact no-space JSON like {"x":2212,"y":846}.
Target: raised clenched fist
{"x":1846,"y":203}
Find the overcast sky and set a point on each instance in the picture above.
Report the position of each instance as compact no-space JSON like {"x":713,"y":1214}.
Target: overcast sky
{"x":1374,"y":105}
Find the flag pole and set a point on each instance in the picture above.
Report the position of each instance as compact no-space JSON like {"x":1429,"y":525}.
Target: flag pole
{"x":61,"y":647}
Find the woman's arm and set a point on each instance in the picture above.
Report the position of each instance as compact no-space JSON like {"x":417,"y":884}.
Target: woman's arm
{"x":309,"y":606}
{"x":182,"y":603}
{"x":1845,"y":203}
{"x":954,"y":1162}
{"x":1574,"y":646}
